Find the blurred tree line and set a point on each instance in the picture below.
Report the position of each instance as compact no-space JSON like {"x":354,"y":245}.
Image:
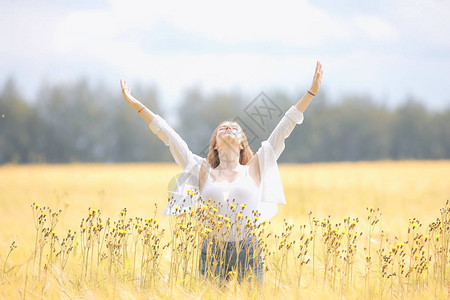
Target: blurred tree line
{"x":82,"y":123}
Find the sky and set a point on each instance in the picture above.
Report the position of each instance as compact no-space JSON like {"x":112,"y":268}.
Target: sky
{"x":390,"y":50}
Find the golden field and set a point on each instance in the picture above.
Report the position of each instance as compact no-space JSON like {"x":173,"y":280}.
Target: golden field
{"x":400,"y":190}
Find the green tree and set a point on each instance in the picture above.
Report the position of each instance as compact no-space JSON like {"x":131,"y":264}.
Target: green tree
{"x":20,"y":128}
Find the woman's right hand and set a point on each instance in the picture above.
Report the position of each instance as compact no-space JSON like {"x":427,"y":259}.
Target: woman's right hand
{"x":126,"y":92}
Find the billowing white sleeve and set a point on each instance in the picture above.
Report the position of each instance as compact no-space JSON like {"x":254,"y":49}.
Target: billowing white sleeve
{"x":284,"y":128}
{"x":178,"y":147}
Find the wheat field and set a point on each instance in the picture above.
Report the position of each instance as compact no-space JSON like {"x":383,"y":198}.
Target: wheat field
{"x":354,"y":230}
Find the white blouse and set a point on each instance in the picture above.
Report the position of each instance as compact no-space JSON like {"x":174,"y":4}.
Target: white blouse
{"x":223,"y":194}
{"x":186,"y":191}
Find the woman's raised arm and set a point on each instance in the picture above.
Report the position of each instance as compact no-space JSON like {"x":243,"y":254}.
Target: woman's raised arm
{"x":295,"y":114}
{"x":145,"y":113}
{"x":304,"y":102}
{"x":178,"y":147}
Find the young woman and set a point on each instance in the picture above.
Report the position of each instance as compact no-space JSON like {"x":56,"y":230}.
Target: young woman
{"x":241,"y":185}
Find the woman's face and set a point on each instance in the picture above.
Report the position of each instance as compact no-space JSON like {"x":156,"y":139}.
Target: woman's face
{"x":230,"y":133}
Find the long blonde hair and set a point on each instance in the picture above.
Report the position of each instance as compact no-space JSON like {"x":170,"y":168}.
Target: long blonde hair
{"x":245,"y":154}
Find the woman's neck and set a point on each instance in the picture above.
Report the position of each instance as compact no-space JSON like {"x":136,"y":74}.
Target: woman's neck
{"x":229,"y":159}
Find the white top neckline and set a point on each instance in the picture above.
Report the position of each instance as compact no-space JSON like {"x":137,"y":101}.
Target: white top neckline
{"x":240,"y":178}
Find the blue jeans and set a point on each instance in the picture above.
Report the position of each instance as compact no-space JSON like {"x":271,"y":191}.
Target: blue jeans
{"x":219,"y":259}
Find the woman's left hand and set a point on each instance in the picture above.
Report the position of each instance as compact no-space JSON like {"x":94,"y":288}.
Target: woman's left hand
{"x":317,"y":79}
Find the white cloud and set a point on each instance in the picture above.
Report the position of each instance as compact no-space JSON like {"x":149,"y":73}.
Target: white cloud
{"x":102,"y":35}
{"x":286,"y":21}
{"x":84,"y":30}
{"x":427,"y":22}
{"x":24,"y":32}
{"x":375,"y":28}
{"x":111,"y":39}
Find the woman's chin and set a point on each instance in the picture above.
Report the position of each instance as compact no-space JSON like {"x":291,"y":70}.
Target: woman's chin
{"x":233,"y":138}
{"x":230,"y":140}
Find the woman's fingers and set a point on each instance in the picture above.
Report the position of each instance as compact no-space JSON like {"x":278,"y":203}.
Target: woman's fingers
{"x":319,"y":70}
{"x":123,"y":84}
{"x":125,"y":90}
{"x":317,"y":77}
